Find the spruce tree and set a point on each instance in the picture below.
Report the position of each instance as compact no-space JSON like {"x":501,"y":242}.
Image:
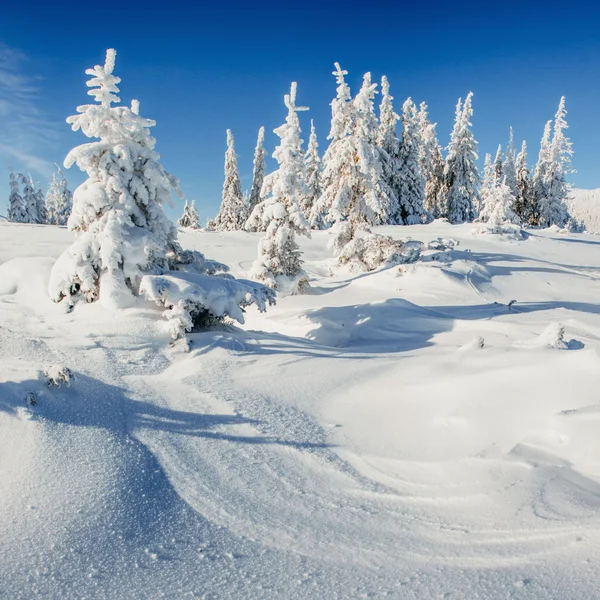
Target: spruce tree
{"x":312,"y":166}
{"x":509,"y":169}
{"x":461,"y":177}
{"x":279,"y":263}
{"x":540,"y":175}
{"x":431,"y":163}
{"x":40,"y":203}
{"x":17,"y":212}
{"x":498,"y":164}
{"x":553,"y":209}
{"x":523,"y":202}
{"x":30,"y":199}
{"x":387,"y":140}
{"x":499,"y":208}
{"x":122,"y":231}
{"x":411,"y":184}
{"x":355,"y":190}
{"x":259,"y":170}
{"x":233,"y":213}
{"x":488,"y":184}
{"x":189,"y":218}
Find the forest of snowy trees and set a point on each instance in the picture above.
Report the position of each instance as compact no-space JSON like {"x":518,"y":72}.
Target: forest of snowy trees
{"x":371,"y":173}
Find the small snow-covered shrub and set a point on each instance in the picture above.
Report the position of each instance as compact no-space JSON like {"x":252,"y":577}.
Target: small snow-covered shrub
{"x":553,"y":337}
{"x":367,"y":251}
{"x":57,"y":375}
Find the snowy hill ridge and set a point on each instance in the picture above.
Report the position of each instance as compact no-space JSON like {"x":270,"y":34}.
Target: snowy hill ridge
{"x":407,"y":433}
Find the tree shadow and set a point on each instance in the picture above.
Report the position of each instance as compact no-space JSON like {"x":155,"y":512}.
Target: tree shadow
{"x":89,"y":402}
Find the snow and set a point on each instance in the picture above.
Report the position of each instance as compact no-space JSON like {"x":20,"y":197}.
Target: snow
{"x":584,"y":206}
{"x":426,"y":430}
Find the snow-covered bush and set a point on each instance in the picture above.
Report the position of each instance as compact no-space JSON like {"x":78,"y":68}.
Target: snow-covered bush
{"x":57,"y":375}
{"x":125,"y":244}
{"x":366,"y":251}
{"x":190,"y":217}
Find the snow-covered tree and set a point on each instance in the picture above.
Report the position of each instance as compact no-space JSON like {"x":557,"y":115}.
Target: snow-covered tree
{"x":259,"y":170}
{"x":499,"y":208}
{"x":509,"y":168}
{"x":355,"y":189}
{"x":233,"y":213}
{"x":498,"y":164}
{"x":40,"y":203}
{"x":312,"y":168}
{"x":461,"y":177}
{"x":431,"y":163}
{"x":552,"y":207}
{"x":30,"y":199}
{"x":190,"y":217}
{"x":523,"y":198}
{"x":540,"y":174}
{"x":125,"y":244}
{"x":387,"y":140}
{"x":279,"y":263}
{"x":411,"y":184}
{"x":59,"y":200}
{"x":17,"y":212}
{"x":488,"y":184}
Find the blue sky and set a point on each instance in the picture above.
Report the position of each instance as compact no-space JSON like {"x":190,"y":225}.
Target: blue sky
{"x":199,"y":68}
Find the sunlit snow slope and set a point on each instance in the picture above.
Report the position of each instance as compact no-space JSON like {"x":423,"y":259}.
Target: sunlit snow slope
{"x":354,"y":442}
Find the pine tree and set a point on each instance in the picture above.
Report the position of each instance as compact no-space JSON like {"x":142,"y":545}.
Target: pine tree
{"x":498,"y":164}
{"x":233,"y":213}
{"x":461,"y":177}
{"x":259,"y":170}
{"x":523,"y":202}
{"x":122,"y":231}
{"x":509,"y":169}
{"x":189,"y":218}
{"x":16,"y":206}
{"x":488,"y":184}
{"x":411,"y":184}
{"x":30,"y":199}
{"x":499,"y":208}
{"x":355,"y":189}
{"x":431,"y":163}
{"x":387,"y":140}
{"x":552,"y":208}
{"x":312,"y":166}
{"x":52,"y":199}
{"x":40,"y":204}
{"x":279,"y":263}
{"x":540,"y":175}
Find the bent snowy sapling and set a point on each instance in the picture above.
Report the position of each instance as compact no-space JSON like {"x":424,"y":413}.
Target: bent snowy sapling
{"x":125,"y":245}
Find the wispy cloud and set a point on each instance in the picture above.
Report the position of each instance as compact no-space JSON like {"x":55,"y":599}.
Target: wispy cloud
{"x":25,"y":131}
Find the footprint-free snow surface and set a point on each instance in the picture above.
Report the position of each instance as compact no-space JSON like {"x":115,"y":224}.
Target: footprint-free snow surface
{"x":424,"y":431}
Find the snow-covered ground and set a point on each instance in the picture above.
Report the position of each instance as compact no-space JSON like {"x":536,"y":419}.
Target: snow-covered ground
{"x":584,"y":205}
{"x":355,"y":442}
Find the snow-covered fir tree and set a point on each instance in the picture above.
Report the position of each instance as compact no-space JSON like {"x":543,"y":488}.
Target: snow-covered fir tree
{"x":523,"y":198}
{"x":431,"y":163}
{"x":461,"y":177}
{"x":552,"y":206}
{"x":30,"y":199}
{"x":498,"y":211}
{"x":540,"y":175}
{"x":387,"y":139}
{"x":40,"y":204}
{"x":279,"y":263}
{"x":125,"y":244}
{"x":17,"y":212}
{"x":487,"y":185}
{"x":411,"y":184}
{"x":498,"y":164}
{"x":355,"y":190}
{"x":509,"y":168}
{"x":312,"y":168}
{"x":233,"y":213}
{"x":190,"y":217}
{"x":259,"y":170}
{"x":59,"y":199}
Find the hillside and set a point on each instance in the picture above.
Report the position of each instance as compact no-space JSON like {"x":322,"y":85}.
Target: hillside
{"x":584,"y":205}
{"x":409,"y":433}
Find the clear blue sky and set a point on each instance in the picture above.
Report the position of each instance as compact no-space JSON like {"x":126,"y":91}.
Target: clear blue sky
{"x":199,"y":68}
